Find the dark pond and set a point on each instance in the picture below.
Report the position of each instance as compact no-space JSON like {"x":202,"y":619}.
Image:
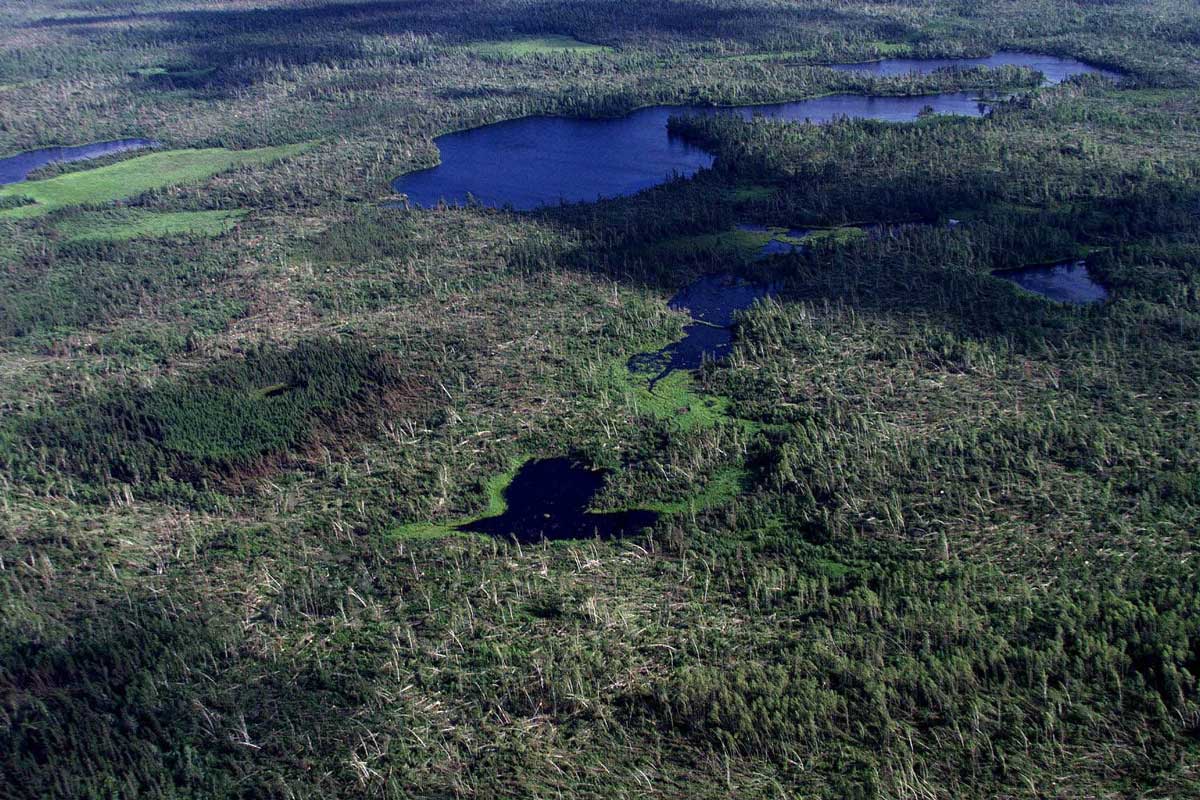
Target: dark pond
{"x":535,"y":161}
{"x":548,"y":499}
{"x":712,"y":302}
{"x":16,"y":168}
{"x":1069,"y":282}
{"x":1053,"y":69}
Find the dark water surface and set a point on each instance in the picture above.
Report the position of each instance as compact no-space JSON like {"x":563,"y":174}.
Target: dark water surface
{"x":536,"y":161}
{"x":16,"y":168}
{"x":548,"y":499}
{"x":1053,"y":69}
{"x":1069,"y":282}
{"x":712,"y":301}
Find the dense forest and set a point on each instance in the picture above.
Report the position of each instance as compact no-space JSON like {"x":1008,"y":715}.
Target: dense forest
{"x":916,"y":532}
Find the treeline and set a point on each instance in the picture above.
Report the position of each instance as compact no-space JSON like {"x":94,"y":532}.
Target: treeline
{"x":198,"y":77}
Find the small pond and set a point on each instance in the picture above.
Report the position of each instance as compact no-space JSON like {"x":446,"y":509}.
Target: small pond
{"x":1054,"y":69}
{"x":712,"y":302}
{"x":16,"y":168}
{"x":549,"y":498}
{"x":536,"y":161}
{"x":1069,"y":282}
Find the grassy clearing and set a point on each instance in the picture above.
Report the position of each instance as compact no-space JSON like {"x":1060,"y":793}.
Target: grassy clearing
{"x":133,"y":177}
{"x":751,"y":192}
{"x":132,"y":224}
{"x":835,"y":236}
{"x":537,"y":45}
{"x":732,"y":244}
{"x":675,"y":398}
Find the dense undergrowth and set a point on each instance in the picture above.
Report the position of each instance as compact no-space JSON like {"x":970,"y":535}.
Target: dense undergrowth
{"x":218,"y":424}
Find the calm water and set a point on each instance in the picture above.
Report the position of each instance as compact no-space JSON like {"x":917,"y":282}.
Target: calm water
{"x":1053,"y":69}
{"x":536,"y":161}
{"x":1069,"y":282}
{"x":16,"y":168}
{"x":712,"y":301}
{"x":548,"y":499}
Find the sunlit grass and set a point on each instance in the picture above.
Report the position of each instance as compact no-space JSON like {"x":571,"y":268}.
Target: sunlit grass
{"x":134,"y":224}
{"x":132,"y":177}
{"x":537,"y":45}
{"x":496,"y":505}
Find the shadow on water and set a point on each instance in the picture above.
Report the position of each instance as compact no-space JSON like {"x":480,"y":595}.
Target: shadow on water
{"x":15,"y":169}
{"x":712,"y":302}
{"x":1069,"y":282}
{"x":548,"y":499}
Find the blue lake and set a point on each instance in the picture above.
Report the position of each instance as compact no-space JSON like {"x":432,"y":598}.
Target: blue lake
{"x":16,"y":168}
{"x":1069,"y":282}
{"x":536,"y":161}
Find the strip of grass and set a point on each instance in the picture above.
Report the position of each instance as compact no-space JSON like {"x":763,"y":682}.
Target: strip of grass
{"x":735,"y":244}
{"x":537,"y":45}
{"x":835,"y":237}
{"x":134,"y":176}
{"x":131,"y":224}
{"x":747,"y":193}
{"x":496,"y":505}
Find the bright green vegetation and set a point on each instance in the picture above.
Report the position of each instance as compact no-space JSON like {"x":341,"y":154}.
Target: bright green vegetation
{"x":922,"y":534}
{"x":720,"y":489}
{"x":494,"y":489}
{"x":132,"y":177}
{"x":833,"y":237}
{"x":675,"y":399}
{"x":537,"y":45}
{"x":133,"y":224}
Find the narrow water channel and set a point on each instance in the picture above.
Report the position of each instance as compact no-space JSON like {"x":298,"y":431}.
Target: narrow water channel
{"x":15,"y":169}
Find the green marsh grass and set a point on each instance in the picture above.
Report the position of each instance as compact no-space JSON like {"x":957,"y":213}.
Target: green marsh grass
{"x":537,"y":45}
{"x":134,"y":176}
{"x":137,"y":224}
